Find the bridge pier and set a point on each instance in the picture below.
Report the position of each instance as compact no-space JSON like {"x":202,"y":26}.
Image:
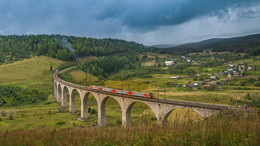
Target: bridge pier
{"x":55,"y":89}
{"x":126,"y":112}
{"x":59,"y":97}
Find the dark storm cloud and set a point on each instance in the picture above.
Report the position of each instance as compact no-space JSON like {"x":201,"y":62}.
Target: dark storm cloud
{"x":113,"y":18}
{"x":148,"y":14}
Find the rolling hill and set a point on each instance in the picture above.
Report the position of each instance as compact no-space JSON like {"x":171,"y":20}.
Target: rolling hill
{"x":242,"y":44}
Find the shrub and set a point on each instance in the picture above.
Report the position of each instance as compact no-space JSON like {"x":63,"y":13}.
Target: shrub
{"x":248,"y":96}
{"x":146,"y":82}
{"x":11,"y":115}
{"x":93,"y":111}
{"x":153,"y":118}
{"x":60,"y":109}
{"x":60,"y":122}
{"x":257,"y":84}
{"x":118,"y":122}
{"x":3,"y":113}
{"x":242,"y":83}
{"x":146,"y":76}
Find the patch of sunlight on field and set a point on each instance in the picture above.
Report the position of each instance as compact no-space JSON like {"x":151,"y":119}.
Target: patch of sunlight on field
{"x":148,"y":64}
{"x":183,"y":115}
{"x":88,"y":58}
{"x":29,"y":73}
{"x":78,"y":75}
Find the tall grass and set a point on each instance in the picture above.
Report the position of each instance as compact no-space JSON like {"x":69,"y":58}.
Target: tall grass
{"x":224,"y":129}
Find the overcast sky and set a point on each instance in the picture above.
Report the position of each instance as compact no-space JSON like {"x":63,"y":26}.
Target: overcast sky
{"x":144,"y":21}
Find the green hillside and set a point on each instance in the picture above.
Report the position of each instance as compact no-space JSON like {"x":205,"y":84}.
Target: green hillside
{"x":14,"y":47}
{"x":30,"y":73}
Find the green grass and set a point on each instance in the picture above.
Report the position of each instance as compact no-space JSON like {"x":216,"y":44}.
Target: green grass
{"x":224,"y":129}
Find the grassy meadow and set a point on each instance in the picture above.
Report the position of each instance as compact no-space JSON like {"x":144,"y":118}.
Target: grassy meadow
{"x":30,"y":73}
{"x":235,"y":129}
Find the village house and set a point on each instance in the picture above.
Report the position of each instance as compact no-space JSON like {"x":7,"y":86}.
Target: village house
{"x":207,"y":80}
{"x":201,"y":83}
{"x":227,"y":79}
{"x":175,"y":77}
{"x":204,"y":87}
{"x":213,"y":83}
{"x":213,"y":77}
{"x":236,"y":74}
{"x":168,"y":63}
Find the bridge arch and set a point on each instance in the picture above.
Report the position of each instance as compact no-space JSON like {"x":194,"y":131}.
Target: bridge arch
{"x":103,"y":106}
{"x":186,"y":113}
{"x":73,"y":93}
{"x":128,"y":111}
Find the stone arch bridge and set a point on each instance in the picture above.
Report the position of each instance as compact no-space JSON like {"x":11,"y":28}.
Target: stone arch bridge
{"x":161,"y":107}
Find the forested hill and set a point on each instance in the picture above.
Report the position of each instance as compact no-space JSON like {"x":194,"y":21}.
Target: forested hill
{"x":243,"y":44}
{"x":14,"y":47}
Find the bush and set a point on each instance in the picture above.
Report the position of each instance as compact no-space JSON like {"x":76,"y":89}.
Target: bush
{"x":257,"y":84}
{"x":3,"y":113}
{"x":248,"y":96}
{"x":153,"y":118}
{"x":242,"y":83}
{"x":60,"y":122}
{"x":146,"y":76}
{"x":60,"y":109}
{"x":119,"y":121}
{"x":11,"y":115}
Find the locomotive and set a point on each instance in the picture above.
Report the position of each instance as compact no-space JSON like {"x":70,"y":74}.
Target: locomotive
{"x":124,"y":92}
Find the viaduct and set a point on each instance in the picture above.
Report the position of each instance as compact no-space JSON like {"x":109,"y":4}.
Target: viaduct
{"x":161,"y":107}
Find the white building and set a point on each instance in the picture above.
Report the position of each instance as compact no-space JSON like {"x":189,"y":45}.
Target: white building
{"x":168,"y":63}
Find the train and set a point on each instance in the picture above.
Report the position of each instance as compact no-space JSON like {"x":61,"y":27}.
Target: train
{"x":121,"y":91}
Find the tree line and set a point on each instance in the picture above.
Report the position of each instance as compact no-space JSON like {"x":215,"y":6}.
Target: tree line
{"x":13,"y":96}
{"x":15,"y":47}
{"x":107,"y":65}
